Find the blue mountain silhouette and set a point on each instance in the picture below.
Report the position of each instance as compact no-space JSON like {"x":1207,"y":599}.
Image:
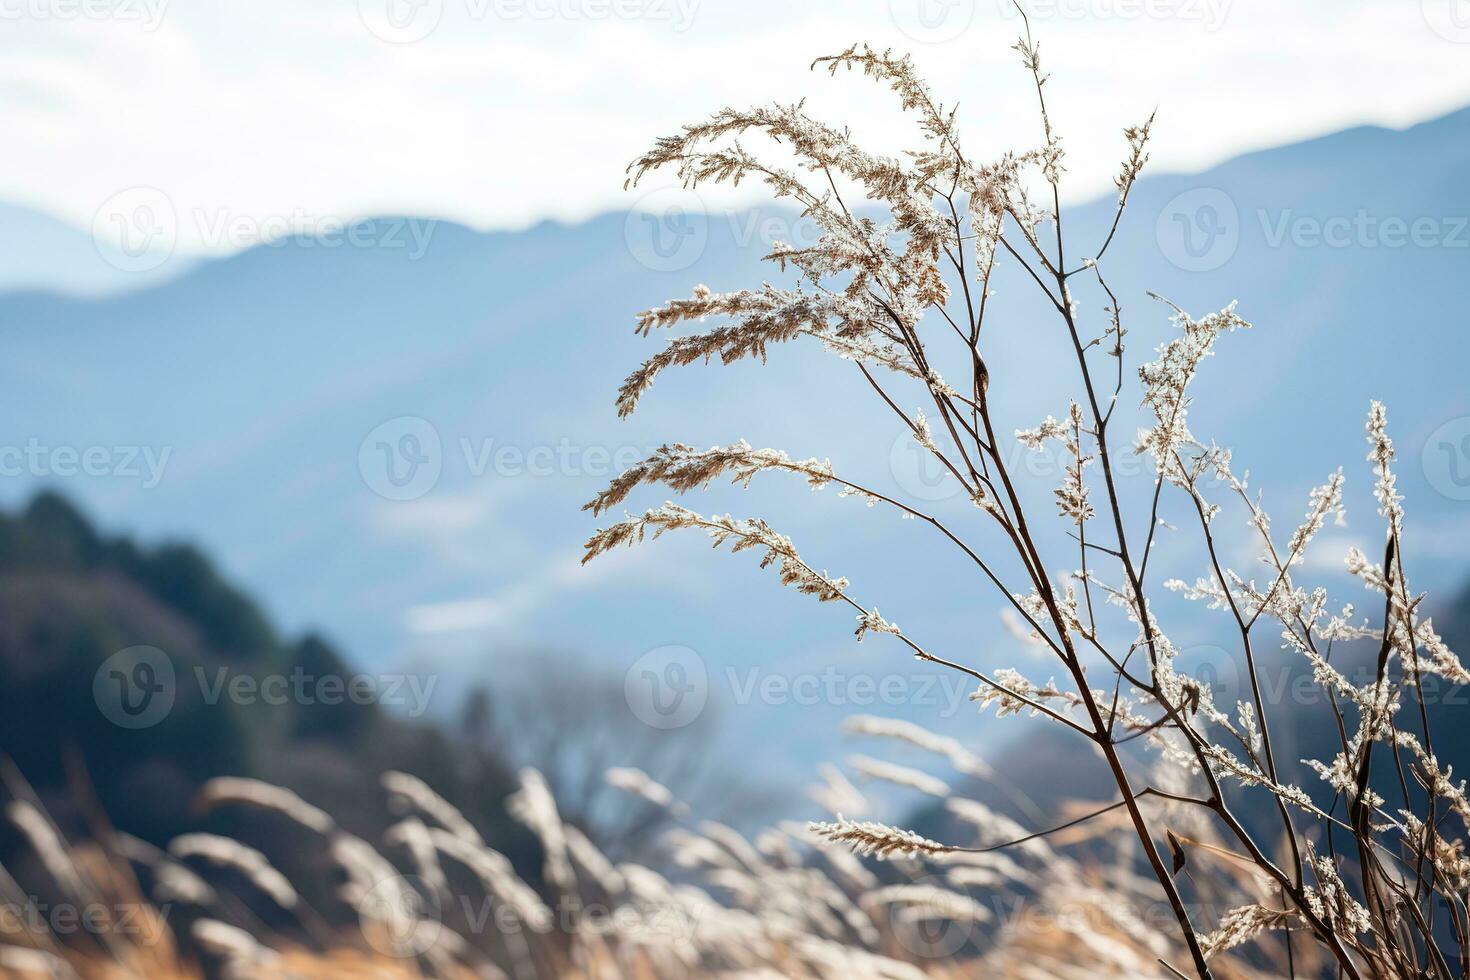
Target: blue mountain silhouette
{"x":287,"y":395}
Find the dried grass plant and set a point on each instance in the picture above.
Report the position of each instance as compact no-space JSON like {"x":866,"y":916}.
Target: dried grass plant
{"x":431,"y":899}
{"x":1374,"y":886}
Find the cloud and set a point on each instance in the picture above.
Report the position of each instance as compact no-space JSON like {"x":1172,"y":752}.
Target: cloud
{"x":506,"y":607}
{"x":548,"y":586}
{"x":436,"y":514}
{"x":508,"y":112}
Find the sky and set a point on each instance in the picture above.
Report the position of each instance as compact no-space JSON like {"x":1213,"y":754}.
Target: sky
{"x":249,"y":118}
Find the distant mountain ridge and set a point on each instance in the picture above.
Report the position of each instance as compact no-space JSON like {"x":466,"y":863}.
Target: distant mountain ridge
{"x":46,"y":254}
{"x":279,"y":378}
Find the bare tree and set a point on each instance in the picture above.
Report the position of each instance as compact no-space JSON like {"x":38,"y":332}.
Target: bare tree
{"x":573,"y":733}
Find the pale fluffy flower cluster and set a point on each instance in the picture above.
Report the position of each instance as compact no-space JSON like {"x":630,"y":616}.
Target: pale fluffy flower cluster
{"x":926,"y":902}
{"x":1240,"y":925}
{"x":1330,"y":899}
{"x":898,"y":775}
{"x":836,"y":793}
{"x":741,"y":535}
{"x":407,"y":793}
{"x":877,"y":840}
{"x":1014,"y":693}
{"x":950,"y":748}
{"x":254,"y":793}
{"x":1381,"y":455}
{"x":534,"y":806}
{"x":1326,"y":500}
{"x":1166,"y":381}
{"x":253,"y":865}
{"x":849,"y":327}
{"x":684,"y":468}
{"x":234,"y":946}
{"x":639,"y":783}
{"x":871,"y":622}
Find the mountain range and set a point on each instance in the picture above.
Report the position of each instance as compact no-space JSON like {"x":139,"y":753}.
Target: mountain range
{"x":44,"y":253}
{"x":390,"y":444}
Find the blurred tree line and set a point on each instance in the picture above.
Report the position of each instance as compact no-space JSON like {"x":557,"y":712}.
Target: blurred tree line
{"x":70,"y":598}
